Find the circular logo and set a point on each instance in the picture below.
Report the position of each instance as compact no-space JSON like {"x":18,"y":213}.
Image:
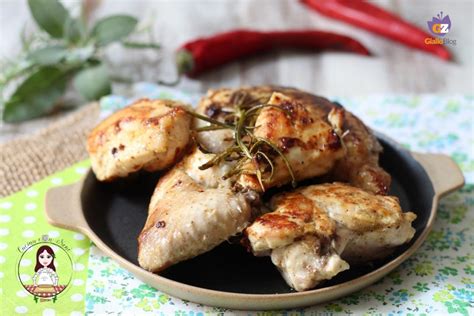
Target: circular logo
{"x":45,"y":269}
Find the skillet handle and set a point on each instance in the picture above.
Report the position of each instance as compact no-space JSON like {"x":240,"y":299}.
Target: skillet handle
{"x":63,"y":207}
{"x":443,"y":172}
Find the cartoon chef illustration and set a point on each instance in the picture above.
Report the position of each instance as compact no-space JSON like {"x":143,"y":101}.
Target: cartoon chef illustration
{"x":45,"y":271}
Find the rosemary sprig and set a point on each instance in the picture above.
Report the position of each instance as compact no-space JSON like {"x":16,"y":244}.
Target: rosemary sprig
{"x":247,"y":147}
{"x":258,"y":173}
{"x":285,"y":160}
{"x":219,"y":158}
{"x":238,"y":135}
{"x":254,"y":110}
{"x":209,"y":119}
{"x":235,"y":170}
{"x":269,"y":161}
{"x":209,"y":128}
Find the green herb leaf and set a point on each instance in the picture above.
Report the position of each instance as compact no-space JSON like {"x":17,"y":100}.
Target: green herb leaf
{"x":37,"y":95}
{"x":49,"y":55}
{"x":50,"y":15}
{"x":113,"y":28}
{"x":14,"y":69}
{"x":77,"y":56}
{"x":93,"y":82}
{"x":74,"y":30}
{"x":139,"y":45}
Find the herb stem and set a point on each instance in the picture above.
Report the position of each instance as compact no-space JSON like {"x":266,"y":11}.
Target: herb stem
{"x":238,"y":134}
{"x":247,"y":146}
{"x":269,"y":161}
{"x":261,"y":106}
{"x":209,"y":128}
{"x":218,"y":158}
{"x":208,"y":119}
{"x":285,"y":160}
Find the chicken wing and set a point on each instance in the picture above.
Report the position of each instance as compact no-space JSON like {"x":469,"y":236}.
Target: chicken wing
{"x":314,"y":230}
{"x":149,"y":135}
{"x":375,"y":223}
{"x":191,"y":212}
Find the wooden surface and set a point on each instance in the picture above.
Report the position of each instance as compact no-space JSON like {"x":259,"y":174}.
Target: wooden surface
{"x":392,"y":69}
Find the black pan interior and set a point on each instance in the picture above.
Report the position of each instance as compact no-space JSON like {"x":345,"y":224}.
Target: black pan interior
{"x":117,"y":211}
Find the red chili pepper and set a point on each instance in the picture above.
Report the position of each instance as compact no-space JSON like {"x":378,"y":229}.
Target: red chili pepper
{"x":198,"y":56}
{"x":379,"y":21}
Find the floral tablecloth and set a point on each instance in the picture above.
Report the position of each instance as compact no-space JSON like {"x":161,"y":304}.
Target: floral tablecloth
{"x":437,"y":280}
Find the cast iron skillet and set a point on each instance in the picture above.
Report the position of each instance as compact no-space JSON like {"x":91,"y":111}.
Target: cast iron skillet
{"x":113,"y":214}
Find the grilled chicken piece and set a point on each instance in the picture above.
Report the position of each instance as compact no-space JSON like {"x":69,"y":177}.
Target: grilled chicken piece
{"x":149,"y":135}
{"x":301,"y":130}
{"x":307,"y":262}
{"x":219,"y":104}
{"x":301,"y":239}
{"x":310,"y":136}
{"x":360,"y":166}
{"x":314,"y":230}
{"x":305,"y":136}
{"x":191,"y":212}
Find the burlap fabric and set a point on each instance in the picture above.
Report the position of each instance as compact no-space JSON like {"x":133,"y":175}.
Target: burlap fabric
{"x":29,"y":159}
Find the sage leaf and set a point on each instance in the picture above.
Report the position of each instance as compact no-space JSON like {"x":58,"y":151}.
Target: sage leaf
{"x":36,"y":96}
{"x":13,"y":70}
{"x":93,"y":82}
{"x":113,"y":28}
{"x":77,"y":56}
{"x":50,"y":15}
{"x":49,"y":55}
{"x":74,"y":30}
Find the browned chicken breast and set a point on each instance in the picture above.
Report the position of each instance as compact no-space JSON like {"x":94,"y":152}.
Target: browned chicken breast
{"x":191,"y":212}
{"x":316,"y":136}
{"x":303,"y":133}
{"x":301,"y":239}
{"x":149,"y":135}
{"x":314,"y":230}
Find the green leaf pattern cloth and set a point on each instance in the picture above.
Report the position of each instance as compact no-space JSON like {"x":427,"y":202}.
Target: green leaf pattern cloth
{"x":437,"y":280}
